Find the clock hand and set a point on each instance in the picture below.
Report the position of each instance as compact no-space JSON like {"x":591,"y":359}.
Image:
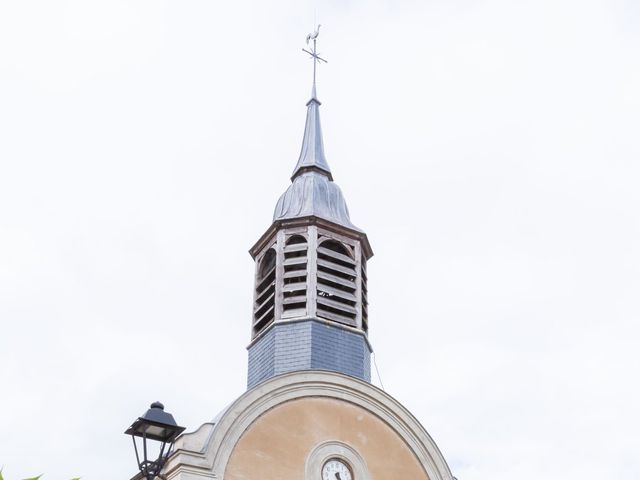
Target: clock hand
{"x":338,"y":476}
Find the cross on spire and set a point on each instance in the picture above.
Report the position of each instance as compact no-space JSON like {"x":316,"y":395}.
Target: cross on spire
{"x":316,"y":58}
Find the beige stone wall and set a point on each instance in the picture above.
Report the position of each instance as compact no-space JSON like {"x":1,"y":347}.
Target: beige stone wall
{"x":276,"y":445}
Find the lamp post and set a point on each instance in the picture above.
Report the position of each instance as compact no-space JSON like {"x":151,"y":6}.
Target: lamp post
{"x":159,"y":426}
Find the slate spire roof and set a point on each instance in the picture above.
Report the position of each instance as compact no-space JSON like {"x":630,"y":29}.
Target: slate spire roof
{"x":312,"y":191}
{"x":312,"y":151}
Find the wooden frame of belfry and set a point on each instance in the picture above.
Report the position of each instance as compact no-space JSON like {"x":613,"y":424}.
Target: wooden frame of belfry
{"x":310,"y":268}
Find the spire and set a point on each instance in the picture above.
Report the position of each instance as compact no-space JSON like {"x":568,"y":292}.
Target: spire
{"x":312,"y":152}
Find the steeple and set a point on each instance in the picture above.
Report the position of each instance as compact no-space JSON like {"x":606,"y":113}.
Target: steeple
{"x":312,"y":151}
{"x":310,"y":300}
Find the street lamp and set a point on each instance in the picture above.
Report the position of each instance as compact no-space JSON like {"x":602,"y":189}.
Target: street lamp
{"x":157,"y":425}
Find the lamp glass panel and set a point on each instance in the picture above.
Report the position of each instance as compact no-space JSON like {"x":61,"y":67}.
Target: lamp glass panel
{"x":158,"y":431}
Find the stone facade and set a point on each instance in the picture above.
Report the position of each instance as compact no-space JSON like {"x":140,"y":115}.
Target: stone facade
{"x":287,"y":427}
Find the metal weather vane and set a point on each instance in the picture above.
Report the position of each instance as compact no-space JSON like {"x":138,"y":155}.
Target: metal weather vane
{"x":314,"y":54}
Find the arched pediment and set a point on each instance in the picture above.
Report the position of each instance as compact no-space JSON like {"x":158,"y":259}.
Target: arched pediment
{"x":209,"y":451}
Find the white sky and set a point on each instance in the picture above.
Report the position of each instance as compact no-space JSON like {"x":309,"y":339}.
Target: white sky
{"x":489,"y":148}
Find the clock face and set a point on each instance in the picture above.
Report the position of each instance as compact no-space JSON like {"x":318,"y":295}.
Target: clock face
{"x":336,"y":469}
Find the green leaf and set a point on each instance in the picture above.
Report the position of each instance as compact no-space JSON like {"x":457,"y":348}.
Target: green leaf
{"x":34,"y":478}
{"x":74,"y":478}
{"x":1,"y":477}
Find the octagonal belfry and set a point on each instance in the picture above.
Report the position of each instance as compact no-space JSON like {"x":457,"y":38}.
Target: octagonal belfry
{"x":310,"y":297}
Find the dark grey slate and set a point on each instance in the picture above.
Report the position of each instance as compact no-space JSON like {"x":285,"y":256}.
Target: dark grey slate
{"x":308,"y":345}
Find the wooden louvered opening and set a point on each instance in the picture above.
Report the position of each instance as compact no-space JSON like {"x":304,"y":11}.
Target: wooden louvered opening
{"x":365,"y":299}
{"x":294,"y":291}
{"x":264,"y":305}
{"x":336,"y":283}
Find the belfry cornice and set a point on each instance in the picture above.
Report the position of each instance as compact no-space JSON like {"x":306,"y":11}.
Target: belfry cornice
{"x":271,"y":232}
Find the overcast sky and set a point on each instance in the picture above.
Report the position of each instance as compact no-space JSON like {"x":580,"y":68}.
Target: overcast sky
{"x":489,"y":148}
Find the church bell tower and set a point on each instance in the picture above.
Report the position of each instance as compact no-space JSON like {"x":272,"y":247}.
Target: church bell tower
{"x":310,"y":296}
{"x":310,"y":411}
